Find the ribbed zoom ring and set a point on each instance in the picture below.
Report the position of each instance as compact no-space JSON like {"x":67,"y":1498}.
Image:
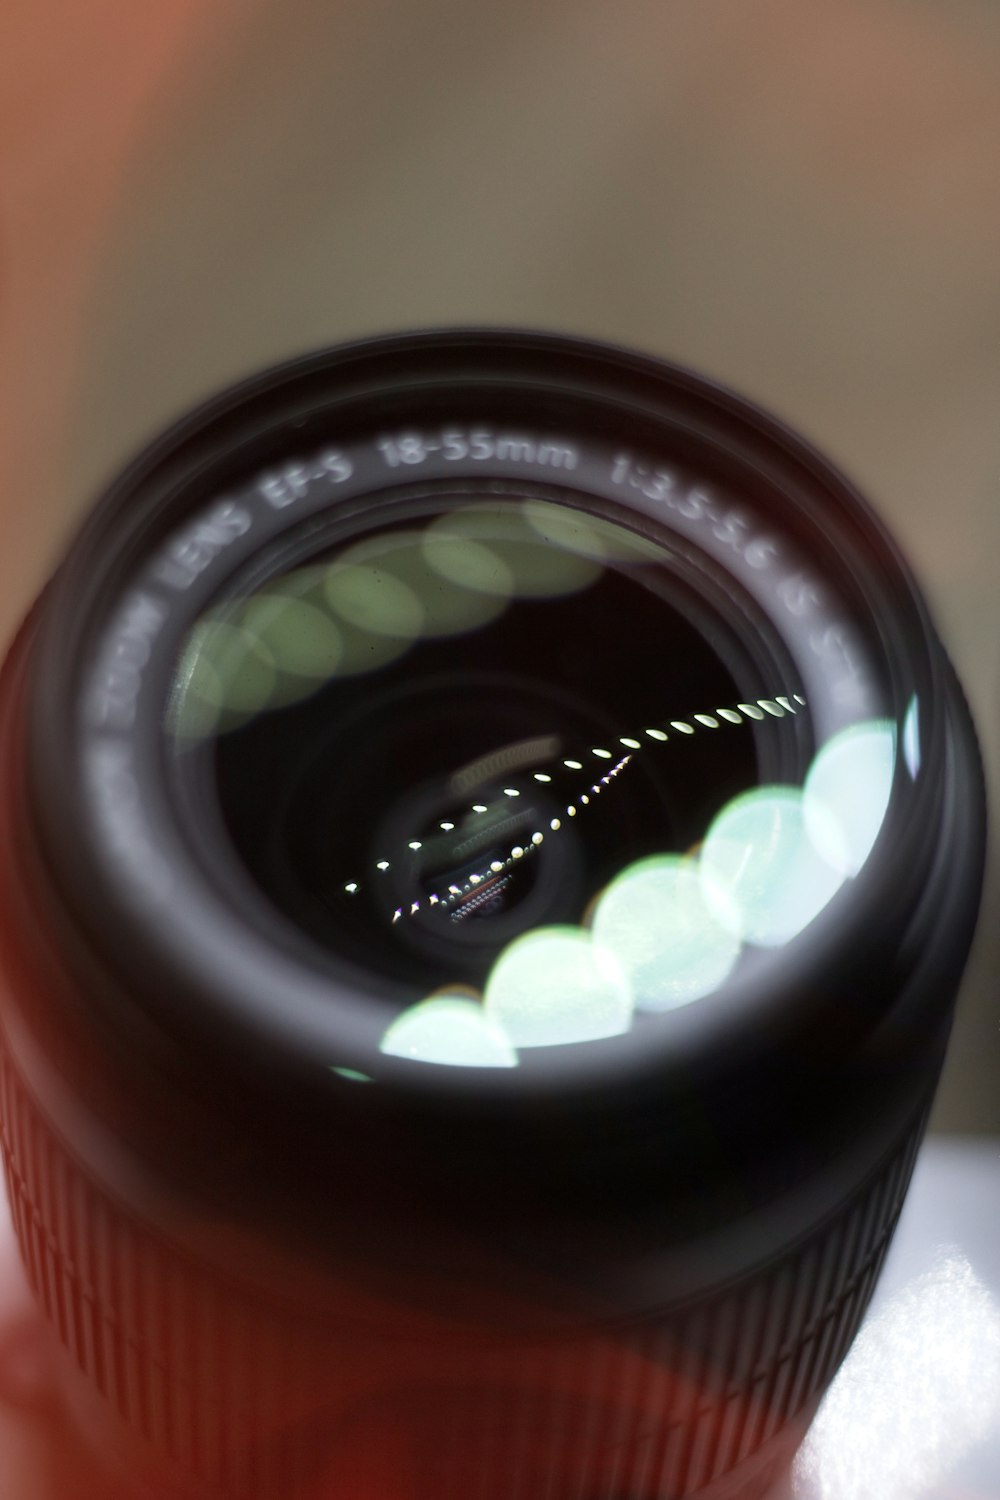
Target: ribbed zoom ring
{"x":223,"y":1394}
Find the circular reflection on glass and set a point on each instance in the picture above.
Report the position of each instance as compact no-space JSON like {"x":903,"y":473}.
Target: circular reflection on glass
{"x":567,"y":529}
{"x":761,"y":875}
{"x":451,"y":601}
{"x":374,"y":600}
{"x":359,"y":649}
{"x":450,"y":1030}
{"x":591,"y":536}
{"x":847,"y":793}
{"x":462,"y":560}
{"x":554,"y":986}
{"x":655,"y":920}
{"x":226,"y":674}
{"x":302,"y":639}
{"x":532,"y":566}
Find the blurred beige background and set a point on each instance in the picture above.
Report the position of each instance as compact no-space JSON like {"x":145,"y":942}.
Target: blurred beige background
{"x":798,"y":198}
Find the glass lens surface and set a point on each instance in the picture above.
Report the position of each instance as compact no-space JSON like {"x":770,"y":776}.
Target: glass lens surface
{"x":504,"y":758}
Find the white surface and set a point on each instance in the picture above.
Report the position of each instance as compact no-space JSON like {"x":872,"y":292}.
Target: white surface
{"x":914,"y":1413}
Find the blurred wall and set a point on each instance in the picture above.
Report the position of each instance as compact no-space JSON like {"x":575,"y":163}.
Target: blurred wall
{"x":800,"y":199}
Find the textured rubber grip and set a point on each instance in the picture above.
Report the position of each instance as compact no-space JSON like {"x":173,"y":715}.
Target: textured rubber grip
{"x":239,"y":1397}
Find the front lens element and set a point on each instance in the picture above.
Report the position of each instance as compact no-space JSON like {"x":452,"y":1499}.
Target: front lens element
{"x":514,"y":761}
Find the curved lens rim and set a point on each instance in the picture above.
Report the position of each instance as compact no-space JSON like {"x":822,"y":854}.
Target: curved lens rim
{"x":187,"y":462}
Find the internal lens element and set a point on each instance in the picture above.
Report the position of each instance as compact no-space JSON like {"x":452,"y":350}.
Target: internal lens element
{"x":502,"y":757}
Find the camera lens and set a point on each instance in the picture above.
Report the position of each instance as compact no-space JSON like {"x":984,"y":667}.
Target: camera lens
{"x":435,"y":747}
{"x":491,"y":841}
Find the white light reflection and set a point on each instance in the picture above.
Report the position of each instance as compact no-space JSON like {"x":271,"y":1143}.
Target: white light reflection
{"x":452,"y":1031}
{"x":911,"y":737}
{"x":918,"y":1390}
{"x":655,"y":942}
{"x":654,"y":918}
{"x":762,"y":876}
{"x":669,"y":929}
{"x":772,"y":859}
{"x":556,"y":985}
{"x":502,"y":758}
{"x":847,"y":793}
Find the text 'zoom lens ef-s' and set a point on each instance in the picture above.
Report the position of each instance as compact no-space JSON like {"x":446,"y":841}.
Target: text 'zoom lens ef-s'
{"x":489,"y":842}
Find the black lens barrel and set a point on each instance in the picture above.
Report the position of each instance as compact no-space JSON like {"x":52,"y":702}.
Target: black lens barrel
{"x":689,"y":1214}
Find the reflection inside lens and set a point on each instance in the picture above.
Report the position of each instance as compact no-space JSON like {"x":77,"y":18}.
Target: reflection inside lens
{"x":761,"y":874}
{"x":451,"y":1031}
{"x":557,"y":985}
{"x":655,"y":919}
{"x":847,"y":791}
{"x":501,"y":761}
